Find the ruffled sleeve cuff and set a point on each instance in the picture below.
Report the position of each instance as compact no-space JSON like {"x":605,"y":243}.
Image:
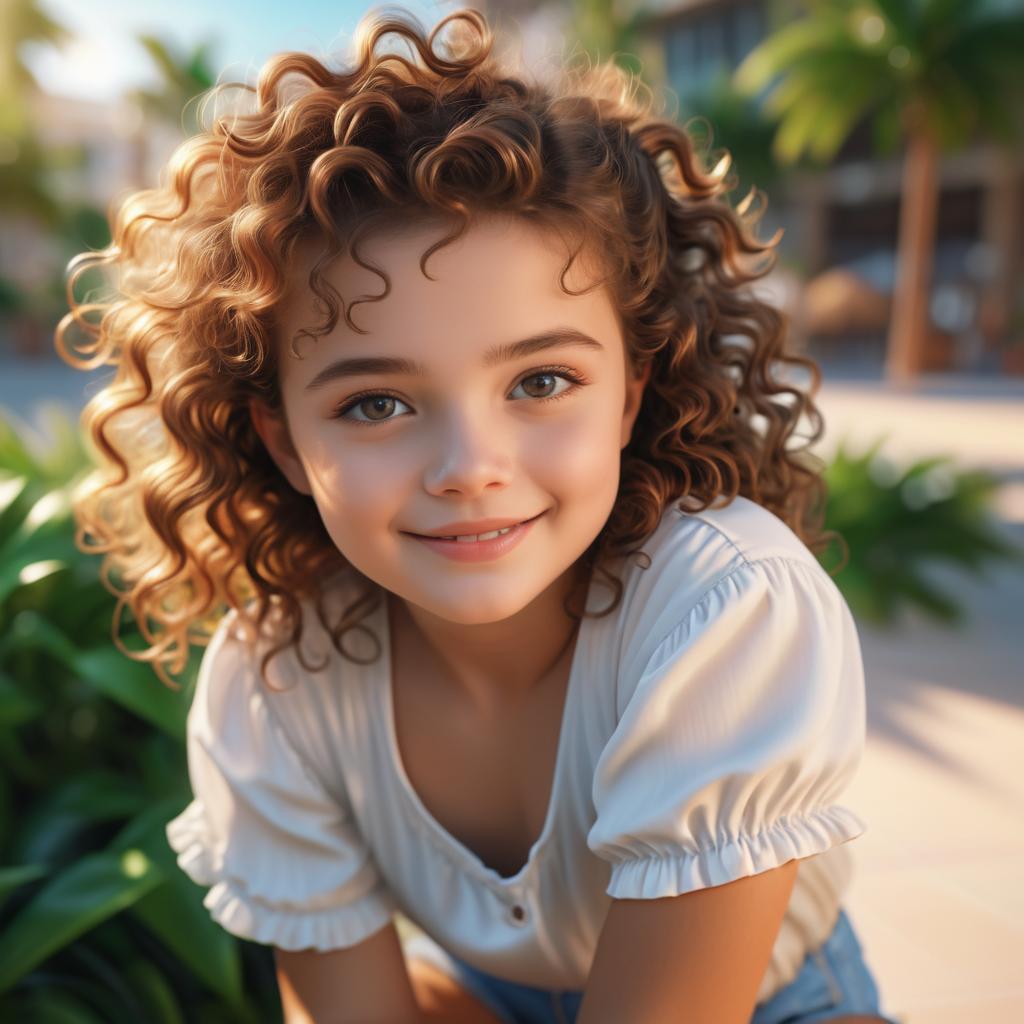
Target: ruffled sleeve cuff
{"x":672,"y":873}
{"x":321,"y":908}
{"x":331,"y":928}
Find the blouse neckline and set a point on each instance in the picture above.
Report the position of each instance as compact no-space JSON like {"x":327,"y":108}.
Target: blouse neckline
{"x":452,"y":847}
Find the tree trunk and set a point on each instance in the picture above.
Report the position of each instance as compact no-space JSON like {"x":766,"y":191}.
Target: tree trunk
{"x":1000,"y":230}
{"x":910,"y":325}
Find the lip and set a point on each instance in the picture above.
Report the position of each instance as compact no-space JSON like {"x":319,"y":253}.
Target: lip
{"x":472,"y":526}
{"x":479,"y":550}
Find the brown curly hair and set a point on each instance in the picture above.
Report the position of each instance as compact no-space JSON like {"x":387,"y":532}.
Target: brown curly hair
{"x":187,"y":506}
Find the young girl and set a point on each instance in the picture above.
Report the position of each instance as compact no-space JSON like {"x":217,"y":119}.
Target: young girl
{"x":446,"y":385}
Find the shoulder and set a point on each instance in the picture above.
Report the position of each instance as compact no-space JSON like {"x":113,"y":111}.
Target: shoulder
{"x":300,"y":713}
{"x":712,"y":557}
{"x":741,"y":531}
{"x":238,"y":642}
{"x":301,"y":684}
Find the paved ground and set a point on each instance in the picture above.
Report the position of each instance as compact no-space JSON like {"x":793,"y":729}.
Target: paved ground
{"x":939,"y":894}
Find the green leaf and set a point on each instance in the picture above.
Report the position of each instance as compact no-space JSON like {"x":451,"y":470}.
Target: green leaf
{"x":77,"y":899}
{"x":88,"y":892}
{"x":40,"y":557}
{"x":97,"y":795}
{"x":798,"y":127}
{"x":904,"y":21}
{"x":49,"y":1006}
{"x":845,"y":112}
{"x":174,"y":911}
{"x":16,"y":707}
{"x":73,"y":804}
{"x":822,"y":98}
{"x":97,"y":974}
{"x":952,"y":112}
{"x":130,"y":683}
{"x":15,"y":501}
{"x":778,"y":52}
{"x":45,"y":534}
{"x":15,"y":458}
{"x":64,"y":456}
{"x":14,"y":877}
{"x":135,"y":686}
{"x":175,"y":914}
{"x":154,"y":989}
{"x":897,"y":521}
{"x":146,"y":832}
{"x":886,"y":129}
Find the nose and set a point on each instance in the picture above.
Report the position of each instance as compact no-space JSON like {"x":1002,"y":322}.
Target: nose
{"x":469,"y":457}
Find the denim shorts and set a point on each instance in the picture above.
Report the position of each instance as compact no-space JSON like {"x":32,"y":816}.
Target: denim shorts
{"x":834,"y":981}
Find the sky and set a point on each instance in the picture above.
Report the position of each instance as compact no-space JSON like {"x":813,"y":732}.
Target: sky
{"x":105,"y":60}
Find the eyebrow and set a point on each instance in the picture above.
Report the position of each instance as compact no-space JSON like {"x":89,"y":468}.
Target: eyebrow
{"x":497,"y":354}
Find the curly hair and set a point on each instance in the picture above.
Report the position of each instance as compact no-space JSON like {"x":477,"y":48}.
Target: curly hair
{"x":193,"y":516}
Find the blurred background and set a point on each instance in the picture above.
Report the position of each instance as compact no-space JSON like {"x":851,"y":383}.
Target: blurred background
{"x":886,"y":139}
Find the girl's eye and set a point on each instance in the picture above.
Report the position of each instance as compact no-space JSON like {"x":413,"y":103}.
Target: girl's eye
{"x":550,"y":375}
{"x":378,"y":404}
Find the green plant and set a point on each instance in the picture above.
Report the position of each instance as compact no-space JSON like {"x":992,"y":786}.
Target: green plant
{"x":97,"y":922}
{"x":12,"y":297}
{"x":737,"y":123}
{"x":896,"y":522}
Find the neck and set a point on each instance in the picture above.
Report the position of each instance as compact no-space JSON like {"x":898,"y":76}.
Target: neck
{"x":490,"y":665}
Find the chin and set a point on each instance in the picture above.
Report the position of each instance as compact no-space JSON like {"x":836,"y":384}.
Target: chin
{"x":475,"y":608}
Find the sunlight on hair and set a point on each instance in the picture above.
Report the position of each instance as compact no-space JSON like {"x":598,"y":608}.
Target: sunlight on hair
{"x":189,"y":512}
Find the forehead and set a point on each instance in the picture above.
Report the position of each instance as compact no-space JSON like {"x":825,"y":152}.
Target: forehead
{"x":497,"y":282}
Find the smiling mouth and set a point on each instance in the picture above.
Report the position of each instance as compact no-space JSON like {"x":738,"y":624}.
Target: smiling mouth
{"x":427,"y":536}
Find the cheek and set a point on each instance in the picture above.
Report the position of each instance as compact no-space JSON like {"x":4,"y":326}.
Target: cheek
{"x":577,"y":454}
{"x":351,"y":484}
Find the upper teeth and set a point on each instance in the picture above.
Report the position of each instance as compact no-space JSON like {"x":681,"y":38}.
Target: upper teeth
{"x":469,"y":537}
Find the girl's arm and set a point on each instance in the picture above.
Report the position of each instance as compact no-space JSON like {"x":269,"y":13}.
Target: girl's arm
{"x":363,"y":984}
{"x":733,"y":745}
{"x":700,"y":956}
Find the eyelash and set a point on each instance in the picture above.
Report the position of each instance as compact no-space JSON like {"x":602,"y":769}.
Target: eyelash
{"x":566,"y":372}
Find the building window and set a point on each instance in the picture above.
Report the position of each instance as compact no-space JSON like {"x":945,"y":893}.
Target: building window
{"x":699,"y":45}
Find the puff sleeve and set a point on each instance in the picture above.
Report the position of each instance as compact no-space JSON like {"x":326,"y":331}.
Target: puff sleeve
{"x":733,"y":745}
{"x":280,"y":853}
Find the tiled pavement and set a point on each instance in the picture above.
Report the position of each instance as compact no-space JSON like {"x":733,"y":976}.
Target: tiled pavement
{"x":938,"y":895}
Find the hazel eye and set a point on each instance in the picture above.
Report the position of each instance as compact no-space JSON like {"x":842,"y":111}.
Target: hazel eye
{"x":548,"y":376}
{"x":382,"y":403}
{"x":542,"y":377}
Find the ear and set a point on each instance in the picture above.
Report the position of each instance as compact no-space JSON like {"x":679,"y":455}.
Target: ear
{"x":634,"y":396}
{"x":273,"y":431}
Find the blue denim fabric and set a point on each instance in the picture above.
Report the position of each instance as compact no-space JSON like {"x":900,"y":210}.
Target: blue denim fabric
{"x":834,"y":981}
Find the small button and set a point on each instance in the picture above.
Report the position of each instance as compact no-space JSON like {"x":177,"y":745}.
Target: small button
{"x":518,"y":913}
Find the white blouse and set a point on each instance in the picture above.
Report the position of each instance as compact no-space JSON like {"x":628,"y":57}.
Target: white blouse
{"x":710,"y":724}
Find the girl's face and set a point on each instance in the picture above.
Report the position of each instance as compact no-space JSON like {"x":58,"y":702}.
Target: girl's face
{"x":473,"y":426}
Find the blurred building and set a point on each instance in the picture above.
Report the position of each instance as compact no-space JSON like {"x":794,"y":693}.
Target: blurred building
{"x":841,"y":223}
{"x":97,"y":153}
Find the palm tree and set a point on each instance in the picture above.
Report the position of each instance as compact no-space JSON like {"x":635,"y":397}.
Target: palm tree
{"x":184,"y":77}
{"x":605,"y":31}
{"x":739,"y":125}
{"x":932,"y":72}
{"x":24,"y":21}
{"x":23,"y":162}
{"x":25,"y":189}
